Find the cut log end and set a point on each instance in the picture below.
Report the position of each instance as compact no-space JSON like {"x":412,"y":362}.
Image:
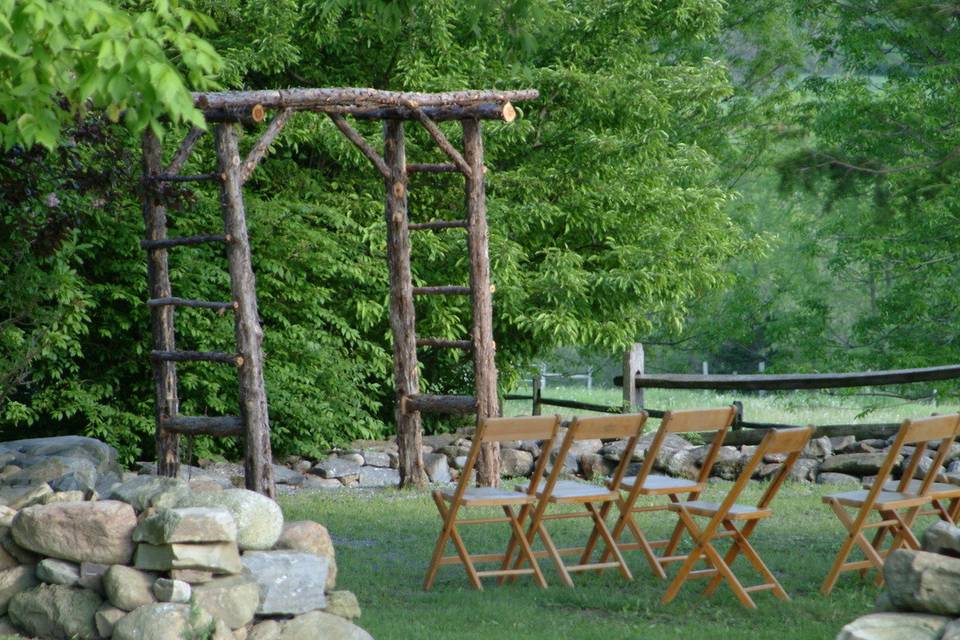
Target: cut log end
{"x":509,"y":113}
{"x":258,"y":113}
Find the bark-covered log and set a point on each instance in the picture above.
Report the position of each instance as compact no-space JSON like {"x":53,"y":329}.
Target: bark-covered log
{"x":198,"y":177}
{"x":224,"y":426}
{"x":262,"y":145}
{"x":247,"y":115}
{"x":432,"y":167}
{"x":440,"y":224}
{"x":353,"y":136}
{"x":444,"y":290}
{"x":258,"y":457}
{"x":183,"y":302}
{"x":448,"y":405}
{"x":795,"y":380}
{"x":442,"y":141}
{"x":359,"y":97}
{"x":166,"y":243}
{"x":502,"y":111}
{"x":198,"y":356}
{"x":444,"y":343}
{"x":161,"y":318}
{"x":752,"y":433}
{"x":402,"y":313}
{"x":183,"y":152}
{"x":485,"y":368}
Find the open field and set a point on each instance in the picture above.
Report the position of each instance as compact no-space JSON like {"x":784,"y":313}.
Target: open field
{"x":384,"y":540}
{"x":794,"y":407}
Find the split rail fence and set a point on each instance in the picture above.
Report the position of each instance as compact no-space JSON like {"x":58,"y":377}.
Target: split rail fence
{"x":745,"y":432}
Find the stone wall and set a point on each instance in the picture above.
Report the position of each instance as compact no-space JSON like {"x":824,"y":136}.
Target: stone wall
{"x":89,"y":552}
{"x":922,"y":596}
{"x":843,"y":461}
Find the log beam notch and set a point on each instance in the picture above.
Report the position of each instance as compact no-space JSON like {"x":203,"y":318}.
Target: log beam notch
{"x":258,"y":462}
{"x":161,"y":318}
{"x":485,"y":368}
{"x":402,"y":312}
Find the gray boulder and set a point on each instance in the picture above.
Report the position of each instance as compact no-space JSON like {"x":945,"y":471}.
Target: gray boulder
{"x":311,"y":537}
{"x":343,"y":604}
{"x":78,"y":531}
{"x":216,"y":557}
{"x":234,"y":600}
{"x":922,"y":581}
{"x":895,"y":626}
{"x":818,"y":448}
{"x":258,"y":518}
{"x":315,"y":625}
{"x":436,"y":466}
{"x":515,"y":463}
{"x":164,"y":621}
{"x":24,"y":496}
{"x":942,"y":538}
{"x":838,"y":479}
{"x":290,"y":582}
{"x":379,"y":477}
{"x":854,"y":464}
{"x":187,"y":524}
{"x":106,"y":618}
{"x":143,"y":492}
{"x":56,"y":611}
{"x":53,"y":571}
{"x":167,"y":590}
{"x":126,"y":588}
{"x":805,"y":469}
{"x":336,"y":468}
{"x":13,"y":581}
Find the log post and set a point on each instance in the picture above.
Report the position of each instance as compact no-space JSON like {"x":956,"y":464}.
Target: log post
{"x":632,"y":365}
{"x":161,"y":318}
{"x":537,"y":407}
{"x":402,"y":314}
{"x":258,"y":458}
{"x":485,"y":367}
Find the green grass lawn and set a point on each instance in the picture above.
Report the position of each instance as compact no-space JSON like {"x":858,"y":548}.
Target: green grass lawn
{"x":384,"y":540}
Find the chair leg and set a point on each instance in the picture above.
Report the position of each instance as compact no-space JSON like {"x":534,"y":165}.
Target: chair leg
{"x":554,"y":553}
{"x":512,"y":545}
{"x":854,"y":536}
{"x":677,"y":534}
{"x":732,"y":553}
{"x":716,"y":560}
{"x":525,"y":550}
{"x":594,"y":534}
{"x":601,"y":527}
{"x":626,"y":520}
{"x":743,"y":543}
{"x":440,"y":545}
{"x":688,"y":563}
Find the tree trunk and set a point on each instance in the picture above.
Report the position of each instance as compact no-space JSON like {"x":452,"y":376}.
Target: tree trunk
{"x":402,"y":313}
{"x":485,"y":368}
{"x":161,"y":318}
{"x":258,"y":458}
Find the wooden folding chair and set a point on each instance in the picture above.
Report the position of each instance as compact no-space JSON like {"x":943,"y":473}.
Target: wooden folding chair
{"x":648,"y":484}
{"x":591,"y":497}
{"x":451,"y":501}
{"x":888,"y":504}
{"x":726,"y":514}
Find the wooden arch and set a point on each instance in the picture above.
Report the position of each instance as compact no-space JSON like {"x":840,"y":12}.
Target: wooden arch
{"x":227,"y":110}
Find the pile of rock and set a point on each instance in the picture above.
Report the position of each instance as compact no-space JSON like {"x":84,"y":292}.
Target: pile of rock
{"x":88,"y":553}
{"x":922,"y":596}
{"x":837,"y":461}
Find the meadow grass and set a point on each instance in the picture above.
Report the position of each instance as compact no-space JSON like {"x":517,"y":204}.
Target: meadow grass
{"x":384,"y":540}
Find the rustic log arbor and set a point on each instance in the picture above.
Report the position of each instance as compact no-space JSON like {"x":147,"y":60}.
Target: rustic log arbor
{"x":229,"y":110}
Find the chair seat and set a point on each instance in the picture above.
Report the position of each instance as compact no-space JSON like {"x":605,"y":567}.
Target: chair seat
{"x":572,"y":491}
{"x":654,"y":484}
{"x":737,"y":511}
{"x":885,"y":499}
{"x":489,"y":496}
{"x":937,"y":489}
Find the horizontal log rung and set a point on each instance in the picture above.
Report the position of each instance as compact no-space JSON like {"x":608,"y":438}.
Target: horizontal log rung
{"x":200,"y":177}
{"x":198,"y":356}
{"x":457,"y":405}
{"x":446,"y":290}
{"x":425,"y":167}
{"x":444,"y":343}
{"x":439,"y":224}
{"x":183,"y":302}
{"x":167,"y":243}
{"x":204,"y":425}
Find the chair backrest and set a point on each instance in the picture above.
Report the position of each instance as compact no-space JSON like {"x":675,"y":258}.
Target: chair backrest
{"x":491,"y":430}
{"x":922,"y":432}
{"x":783,"y":441}
{"x":717,"y":420}
{"x":600,"y":428}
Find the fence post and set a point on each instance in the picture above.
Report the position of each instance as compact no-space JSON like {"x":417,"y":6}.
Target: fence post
{"x":632,"y":365}
{"x":706,"y":368}
{"x":589,"y":378}
{"x":537,"y":407}
{"x":543,"y":375}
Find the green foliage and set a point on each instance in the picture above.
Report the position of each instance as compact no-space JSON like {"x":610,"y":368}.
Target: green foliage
{"x":57,"y":58}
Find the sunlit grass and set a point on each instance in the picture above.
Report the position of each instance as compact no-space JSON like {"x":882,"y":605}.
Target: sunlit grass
{"x":384,"y":540}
